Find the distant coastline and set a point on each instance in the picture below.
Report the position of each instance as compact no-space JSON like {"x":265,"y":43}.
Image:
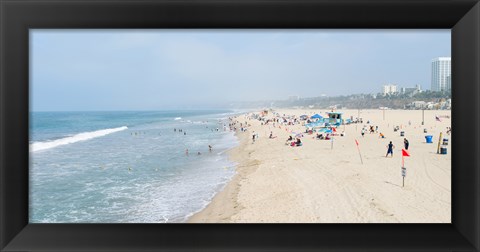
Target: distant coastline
{"x":427,"y":100}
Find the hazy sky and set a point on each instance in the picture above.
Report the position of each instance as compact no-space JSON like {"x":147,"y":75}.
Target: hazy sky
{"x":167,"y":69}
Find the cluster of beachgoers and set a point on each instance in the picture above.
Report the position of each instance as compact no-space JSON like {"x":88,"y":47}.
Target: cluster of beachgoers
{"x":285,"y":174}
{"x":324,"y":128}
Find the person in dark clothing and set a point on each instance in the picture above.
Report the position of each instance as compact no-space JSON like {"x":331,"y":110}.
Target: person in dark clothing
{"x":390,"y":149}
{"x":298,"y":142}
{"x":406,"y":143}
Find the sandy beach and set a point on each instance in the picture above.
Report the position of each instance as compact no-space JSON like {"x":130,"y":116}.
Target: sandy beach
{"x":321,"y":182}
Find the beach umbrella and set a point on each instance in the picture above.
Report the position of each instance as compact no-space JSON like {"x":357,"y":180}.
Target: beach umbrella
{"x":316,"y":116}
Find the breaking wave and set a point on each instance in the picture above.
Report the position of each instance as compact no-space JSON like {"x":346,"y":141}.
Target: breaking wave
{"x":37,"y":146}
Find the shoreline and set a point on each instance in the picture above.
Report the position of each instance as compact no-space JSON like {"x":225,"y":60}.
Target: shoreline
{"x":224,"y":204}
{"x":319,"y":183}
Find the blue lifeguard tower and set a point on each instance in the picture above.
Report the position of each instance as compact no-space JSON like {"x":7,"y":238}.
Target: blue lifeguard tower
{"x":334,"y":119}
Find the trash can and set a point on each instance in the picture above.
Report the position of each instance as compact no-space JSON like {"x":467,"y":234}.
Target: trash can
{"x":428,"y":138}
{"x":445,"y":141}
{"x":402,"y":133}
{"x":443,"y":150}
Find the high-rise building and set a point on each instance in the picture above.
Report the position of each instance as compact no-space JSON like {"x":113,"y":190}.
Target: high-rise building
{"x":449,"y":83}
{"x":441,"y":70}
{"x":389,"y":89}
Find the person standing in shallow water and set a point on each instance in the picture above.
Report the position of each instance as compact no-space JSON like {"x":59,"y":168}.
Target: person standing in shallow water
{"x":390,"y":149}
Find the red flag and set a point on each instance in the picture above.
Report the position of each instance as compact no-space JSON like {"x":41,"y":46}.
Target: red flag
{"x":405,"y":153}
{"x":334,"y":130}
{"x":356,"y":142}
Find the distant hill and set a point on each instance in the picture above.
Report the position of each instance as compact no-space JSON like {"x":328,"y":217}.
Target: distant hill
{"x":357,"y":101}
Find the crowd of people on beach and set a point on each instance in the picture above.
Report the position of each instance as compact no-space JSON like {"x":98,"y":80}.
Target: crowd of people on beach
{"x":371,"y":129}
{"x":289,"y":122}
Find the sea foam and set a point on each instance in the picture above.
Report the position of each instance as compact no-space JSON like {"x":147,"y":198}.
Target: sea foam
{"x":37,"y":146}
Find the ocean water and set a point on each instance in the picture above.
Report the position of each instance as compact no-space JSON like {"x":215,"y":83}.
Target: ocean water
{"x":126,"y":167}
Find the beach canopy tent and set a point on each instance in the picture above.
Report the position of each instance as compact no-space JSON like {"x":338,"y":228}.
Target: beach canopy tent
{"x":316,"y":116}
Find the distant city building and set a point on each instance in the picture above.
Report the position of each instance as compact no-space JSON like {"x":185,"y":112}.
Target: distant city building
{"x":440,"y":104}
{"x":419,"y":104}
{"x":411,"y":91}
{"x":389,"y":89}
{"x":449,"y":83}
{"x":441,"y":69}
{"x":294,"y":98}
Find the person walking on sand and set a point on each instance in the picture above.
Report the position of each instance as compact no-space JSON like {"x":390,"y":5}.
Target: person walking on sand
{"x":406,"y":143}
{"x":390,"y":149}
{"x":253,"y":137}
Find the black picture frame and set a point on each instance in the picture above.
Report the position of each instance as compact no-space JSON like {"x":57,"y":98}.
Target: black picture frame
{"x":18,"y":16}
